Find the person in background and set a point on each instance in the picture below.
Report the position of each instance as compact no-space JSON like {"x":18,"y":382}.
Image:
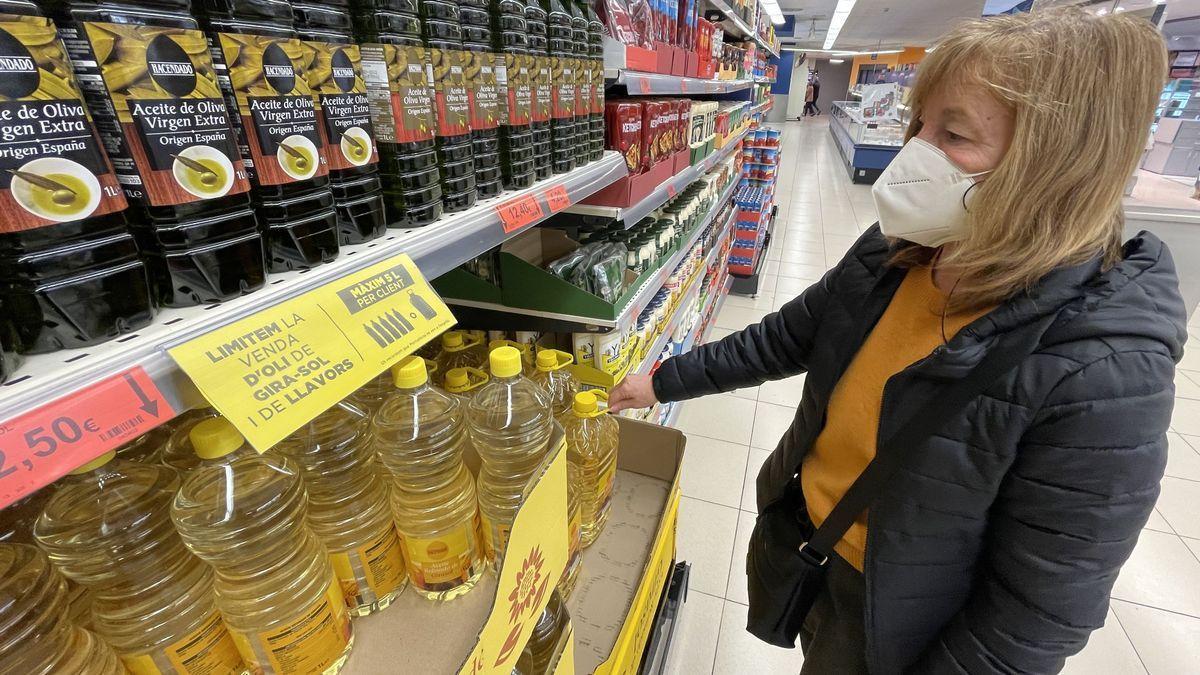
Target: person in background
{"x":816,"y":92}
{"x":808,"y":99}
{"x":994,"y":547}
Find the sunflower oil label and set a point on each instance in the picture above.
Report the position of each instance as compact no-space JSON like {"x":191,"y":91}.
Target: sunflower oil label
{"x":495,"y":537}
{"x":518,"y":89}
{"x":597,"y":66}
{"x":334,"y":73}
{"x":161,"y":114}
{"x":208,"y":650}
{"x":370,"y":572}
{"x":448,"y":74}
{"x":445,"y":561}
{"x":282,"y":141}
{"x":563,"y":88}
{"x":485,"y":90}
{"x":310,"y":643}
{"x":604,"y":487}
{"x":543,"y":86}
{"x":399,"y":92}
{"x":583,"y":85}
{"x":52,"y":167}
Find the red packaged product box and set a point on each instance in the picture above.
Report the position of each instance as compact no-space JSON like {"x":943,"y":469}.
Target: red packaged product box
{"x":652,"y":133}
{"x":683,"y":108}
{"x":623,"y":121}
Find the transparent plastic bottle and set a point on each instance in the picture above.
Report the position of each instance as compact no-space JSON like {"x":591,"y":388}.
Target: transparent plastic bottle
{"x":547,"y":640}
{"x":459,"y":350}
{"x":464,"y":382}
{"x":178,"y":452}
{"x":348,"y":506}
{"x":38,"y":637}
{"x":245,"y":514}
{"x":527,"y":362}
{"x":554,"y":376}
{"x":420,"y":436}
{"x":371,"y":396}
{"x":510,"y":421}
{"x":574,"y":535}
{"x":109,"y":528}
{"x":592,"y":438}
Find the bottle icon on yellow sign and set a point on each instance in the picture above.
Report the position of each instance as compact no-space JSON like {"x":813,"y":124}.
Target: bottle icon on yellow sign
{"x":419,"y":437}
{"x":245,"y":514}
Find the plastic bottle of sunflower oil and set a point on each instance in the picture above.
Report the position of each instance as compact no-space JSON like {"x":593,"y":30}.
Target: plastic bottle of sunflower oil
{"x":372,"y":395}
{"x":109,"y":529}
{"x":546,"y":643}
{"x":348,"y":506}
{"x":38,"y":637}
{"x":419,"y":437}
{"x":464,"y":382}
{"x":574,"y":535}
{"x":510,"y":421}
{"x":245,"y":514}
{"x":459,"y":350}
{"x":554,"y":376}
{"x":592,"y":438}
{"x":527,"y":361}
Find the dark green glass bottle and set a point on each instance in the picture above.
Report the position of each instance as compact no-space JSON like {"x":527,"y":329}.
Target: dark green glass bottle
{"x":441,"y":31}
{"x":561,"y":49}
{"x":510,"y":39}
{"x":485,"y":95}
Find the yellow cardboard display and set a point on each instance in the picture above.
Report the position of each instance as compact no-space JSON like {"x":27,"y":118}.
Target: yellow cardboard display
{"x":277,"y":369}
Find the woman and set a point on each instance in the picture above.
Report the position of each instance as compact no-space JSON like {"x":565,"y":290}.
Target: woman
{"x":808,"y":99}
{"x":994,"y":546}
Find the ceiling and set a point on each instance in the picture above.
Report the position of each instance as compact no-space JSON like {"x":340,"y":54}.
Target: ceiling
{"x":878,"y":24}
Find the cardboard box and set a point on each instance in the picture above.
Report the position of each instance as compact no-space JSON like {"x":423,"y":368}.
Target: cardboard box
{"x":666,"y":57}
{"x":485,"y":630}
{"x":681,"y":160}
{"x":630,"y":190}
{"x":459,"y":283}
{"x":678,"y":61}
{"x":614,"y":603}
{"x":693,"y":64}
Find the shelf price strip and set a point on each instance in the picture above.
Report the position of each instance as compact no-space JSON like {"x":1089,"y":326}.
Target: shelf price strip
{"x":519,"y":212}
{"x":557,"y":198}
{"x":277,"y":369}
{"x":44,"y":444}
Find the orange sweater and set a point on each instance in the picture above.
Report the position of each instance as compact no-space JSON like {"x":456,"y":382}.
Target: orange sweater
{"x":910,"y":328}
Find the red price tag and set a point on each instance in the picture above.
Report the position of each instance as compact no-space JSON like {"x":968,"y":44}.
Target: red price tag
{"x":644,"y":85}
{"x":45,"y":444}
{"x":683,"y":86}
{"x":557,"y":199}
{"x":519,"y":212}
{"x":671,"y":190}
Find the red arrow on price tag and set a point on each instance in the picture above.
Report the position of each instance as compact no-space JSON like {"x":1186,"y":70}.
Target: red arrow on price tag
{"x":557,"y":198}
{"x":518,"y":212}
{"x":44,"y":444}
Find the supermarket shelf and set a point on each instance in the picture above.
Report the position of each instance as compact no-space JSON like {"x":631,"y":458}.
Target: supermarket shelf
{"x":766,"y":46}
{"x":695,"y":339}
{"x":656,"y":83}
{"x":555,"y":322}
{"x":436,"y":249}
{"x":765,"y":106}
{"x":763,"y":80}
{"x":659,"y":196}
{"x":733,"y":23}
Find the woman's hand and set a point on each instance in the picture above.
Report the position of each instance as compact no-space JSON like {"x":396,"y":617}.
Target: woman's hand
{"x":635,"y":391}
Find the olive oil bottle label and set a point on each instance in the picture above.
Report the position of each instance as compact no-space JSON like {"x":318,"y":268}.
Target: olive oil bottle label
{"x":334,"y":73}
{"x":543,"y":86}
{"x":448,"y":73}
{"x":269,"y":88}
{"x":399,"y":93}
{"x":52,"y":167}
{"x":562,"y":105}
{"x":160,"y":111}
{"x":597,"y":66}
{"x":370,"y":572}
{"x":583,"y":84}
{"x":485,"y":90}
{"x":441,"y":563}
{"x":518,"y":89}
{"x":310,"y":643}
{"x":208,"y":650}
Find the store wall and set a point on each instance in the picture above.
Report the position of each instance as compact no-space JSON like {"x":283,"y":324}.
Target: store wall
{"x":835,"y":78}
{"x":782,"y":87}
{"x":795,"y":101}
{"x":909,"y":55}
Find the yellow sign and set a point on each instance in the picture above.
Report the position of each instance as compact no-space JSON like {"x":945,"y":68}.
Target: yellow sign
{"x":275,"y":370}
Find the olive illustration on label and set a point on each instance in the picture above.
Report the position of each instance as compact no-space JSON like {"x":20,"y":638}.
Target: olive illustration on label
{"x":203,"y":171}
{"x":356,"y":146}
{"x":56,"y":189}
{"x":298,"y":156}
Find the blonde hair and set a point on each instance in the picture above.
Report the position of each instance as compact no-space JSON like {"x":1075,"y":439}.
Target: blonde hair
{"x":1082,"y":89}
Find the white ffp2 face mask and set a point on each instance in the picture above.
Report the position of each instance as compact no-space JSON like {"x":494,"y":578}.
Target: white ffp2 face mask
{"x":922,"y":196}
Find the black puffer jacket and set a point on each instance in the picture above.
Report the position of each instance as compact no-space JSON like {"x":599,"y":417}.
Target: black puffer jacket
{"x":996,"y":550}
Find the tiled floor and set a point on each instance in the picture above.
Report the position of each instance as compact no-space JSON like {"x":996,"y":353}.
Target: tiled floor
{"x":1154,"y":622}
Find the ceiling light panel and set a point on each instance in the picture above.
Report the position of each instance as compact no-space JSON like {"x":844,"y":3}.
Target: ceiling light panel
{"x":840,"y":14}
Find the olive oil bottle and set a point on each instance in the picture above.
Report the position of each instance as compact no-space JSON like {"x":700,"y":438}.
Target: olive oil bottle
{"x":441,"y":31}
{"x":510,"y":40}
{"x":258,"y":51}
{"x":70,"y":275}
{"x":395,"y":63}
{"x":149,"y":80}
{"x":333,"y":65}
{"x":561,"y":49}
{"x":583,"y":79}
{"x":485,"y":95}
{"x":535,"y":21}
{"x":596,"y":66}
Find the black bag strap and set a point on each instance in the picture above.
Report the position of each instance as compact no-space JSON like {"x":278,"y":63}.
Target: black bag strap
{"x":893,"y":451}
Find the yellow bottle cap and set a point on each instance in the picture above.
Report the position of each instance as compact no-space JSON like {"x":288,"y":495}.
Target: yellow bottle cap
{"x":452,"y":339}
{"x":410,"y":373}
{"x":585,"y":403}
{"x":462,"y":380}
{"x":553,"y":359}
{"x":505,"y":361}
{"x":95,"y":463}
{"x":215,"y":438}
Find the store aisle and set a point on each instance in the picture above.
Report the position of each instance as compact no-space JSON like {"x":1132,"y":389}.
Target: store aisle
{"x":1154,"y":623}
